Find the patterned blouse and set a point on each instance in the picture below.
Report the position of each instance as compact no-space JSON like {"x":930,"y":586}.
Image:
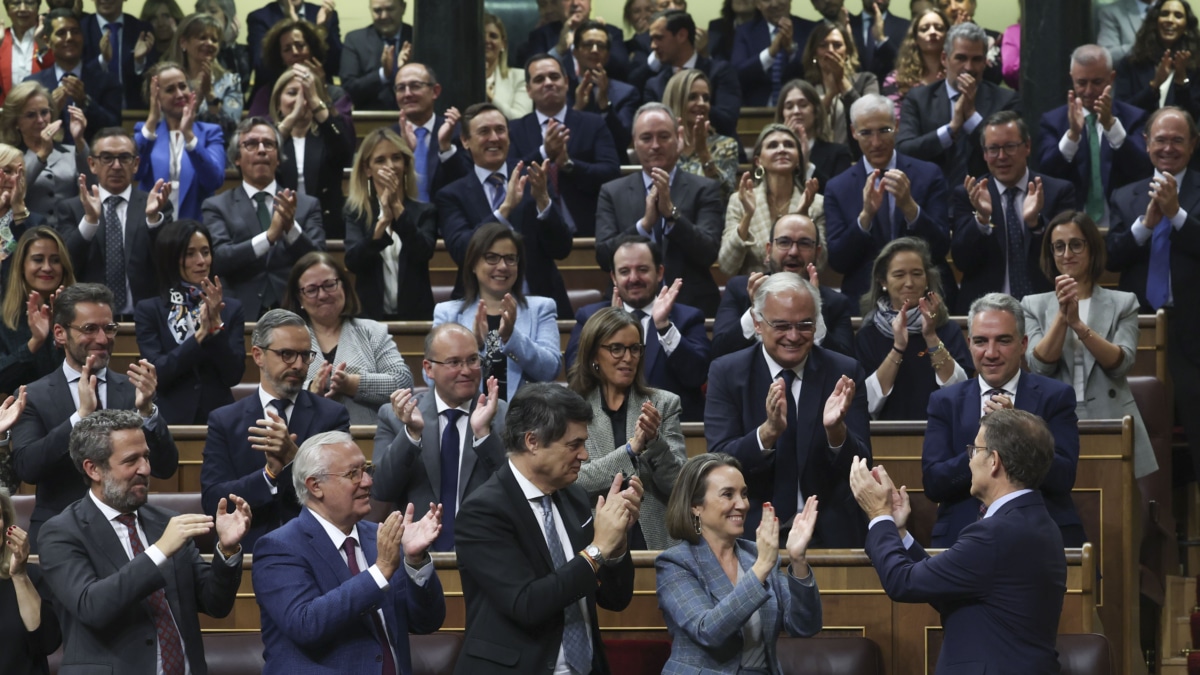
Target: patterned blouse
{"x":724,"y":151}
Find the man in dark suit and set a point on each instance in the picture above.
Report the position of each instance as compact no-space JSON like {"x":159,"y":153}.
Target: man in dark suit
{"x":536,"y":612}
{"x":370,"y":56}
{"x":999,"y":588}
{"x":800,"y":442}
{"x":877,"y":35}
{"x":495,"y":191}
{"x":578,"y":145}
{"x":413,"y":465}
{"x":339,"y":593}
{"x":941,"y":122}
{"x":130,"y":217}
{"x":680,"y":211}
{"x":76,"y":81}
{"x":794,"y":246}
{"x":259,"y":231}
{"x":128,"y":577}
{"x":84,"y":329}
{"x":999,"y":219}
{"x":673,"y":37}
{"x":884,"y":197}
{"x":259,"y":22}
{"x":1154,"y":242}
{"x":590,"y":89}
{"x":437,"y":157}
{"x":556,"y":37}
{"x":767,"y":50}
{"x":121,"y":45}
{"x":677,"y":349}
{"x":1093,"y":141}
{"x":259,"y":467}
{"x":997,"y":338}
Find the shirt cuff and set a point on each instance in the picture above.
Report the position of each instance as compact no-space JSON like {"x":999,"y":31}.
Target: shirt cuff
{"x":748,"y":325}
{"x":542,"y":213}
{"x":1067,"y":147}
{"x":293,"y":234}
{"x":233,"y":560}
{"x":764,"y":57}
{"x":1141,"y":233}
{"x":653,"y":62}
{"x":1116,"y":134}
{"x":156,"y":555}
{"x":973,"y":121}
{"x":984,"y":228}
{"x":917,"y":217}
{"x":501,"y":219}
{"x":270,"y":486}
{"x":193,"y":143}
{"x":88,"y":230}
{"x":1180,"y":218}
{"x":148,"y":133}
{"x":157,"y":222}
{"x":443,"y":156}
{"x":959,"y":375}
{"x":908,"y":540}
{"x":152,"y":421}
{"x":380,"y":580}
{"x":420,"y":576}
{"x":944,"y":136}
{"x":479,"y":441}
{"x":670,"y":340}
{"x":382,"y":77}
{"x":74,"y":419}
{"x":875,"y":396}
{"x":642,"y":230}
{"x":542,"y":151}
{"x":260,"y":244}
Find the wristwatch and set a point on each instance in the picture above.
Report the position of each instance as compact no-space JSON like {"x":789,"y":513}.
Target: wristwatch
{"x":674,"y":215}
{"x":568,"y":166}
{"x":593,"y":552}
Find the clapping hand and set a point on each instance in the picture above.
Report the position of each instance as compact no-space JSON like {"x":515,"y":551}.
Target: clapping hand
{"x":801,"y":534}
{"x":404,"y":406}
{"x":11,"y":409}
{"x":419,"y":536}
{"x":232,"y":525}
{"x":766,"y":538}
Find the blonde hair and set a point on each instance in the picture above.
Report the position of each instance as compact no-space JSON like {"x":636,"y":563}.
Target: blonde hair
{"x":194,"y":26}
{"x":679,"y":87}
{"x":16,"y":293}
{"x":360,"y":202}
{"x":490,"y":19}
{"x":277,"y":93}
{"x":14,"y":107}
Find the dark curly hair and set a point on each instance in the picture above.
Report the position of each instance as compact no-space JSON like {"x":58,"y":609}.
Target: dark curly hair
{"x":1148,"y":47}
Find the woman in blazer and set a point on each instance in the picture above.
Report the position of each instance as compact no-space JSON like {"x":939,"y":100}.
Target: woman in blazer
{"x":1148,"y":80}
{"x":831,"y":64}
{"x":801,"y":110}
{"x":635,"y":430}
{"x":517,"y":334}
{"x":724,"y":599}
{"x":194,"y":336}
{"x":1084,"y":334}
{"x":40,"y":268}
{"x":505,"y":86}
{"x":389,"y":234}
{"x":28,"y":122}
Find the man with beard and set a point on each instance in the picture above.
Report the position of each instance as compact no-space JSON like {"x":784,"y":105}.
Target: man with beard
{"x":794,"y":246}
{"x":279,"y":417}
{"x":83,"y":327}
{"x":129,"y":605}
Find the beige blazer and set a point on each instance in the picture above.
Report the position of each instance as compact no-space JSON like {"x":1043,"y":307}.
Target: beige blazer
{"x":745,"y":257}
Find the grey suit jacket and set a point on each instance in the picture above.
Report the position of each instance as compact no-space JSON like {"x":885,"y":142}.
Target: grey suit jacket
{"x":232,"y":219}
{"x":1118,"y":26}
{"x":367,"y":350}
{"x":658,"y":466}
{"x":1113,"y":317}
{"x":54,"y":180}
{"x":103,"y":594}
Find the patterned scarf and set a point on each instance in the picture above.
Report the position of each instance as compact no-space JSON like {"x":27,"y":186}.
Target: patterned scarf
{"x":184,"y":313}
{"x":885,"y":315}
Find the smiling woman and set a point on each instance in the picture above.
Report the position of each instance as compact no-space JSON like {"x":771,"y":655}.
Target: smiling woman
{"x":218,"y":92}
{"x":39,"y":266}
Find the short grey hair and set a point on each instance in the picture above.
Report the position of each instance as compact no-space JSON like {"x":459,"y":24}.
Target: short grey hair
{"x":782,"y":282}
{"x":971,"y":32}
{"x":655,"y":106}
{"x":91,"y":437}
{"x":233,"y":150}
{"x":310,"y":461}
{"x":996,"y":302}
{"x":1086,"y":55}
{"x":276,"y":318}
{"x":872,"y":103}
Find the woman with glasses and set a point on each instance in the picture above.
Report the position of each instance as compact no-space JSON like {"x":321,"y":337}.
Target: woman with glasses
{"x":30,"y":57}
{"x":907,"y":335}
{"x":635,"y":430}
{"x":778,"y":186}
{"x":703,"y":152}
{"x":801,"y":110}
{"x":831,"y":64}
{"x":517,"y":335}
{"x":357,"y":362}
{"x":29,"y":122}
{"x":193,"y":334}
{"x":39,"y":267}
{"x":1084,"y":334}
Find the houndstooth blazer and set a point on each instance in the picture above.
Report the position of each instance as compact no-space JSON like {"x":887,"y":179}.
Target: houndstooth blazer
{"x":367,"y":350}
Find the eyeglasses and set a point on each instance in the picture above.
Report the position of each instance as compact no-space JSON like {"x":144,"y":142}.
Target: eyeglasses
{"x":90,"y":329}
{"x":107,"y":158}
{"x":868,"y":134}
{"x":37,"y":114}
{"x":785,"y":327}
{"x":252,"y":145}
{"x":471,"y":363}
{"x":1076,"y":246}
{"x":289,"y":356}
{"x":414,"y":87}
{"x":313,"y":290}
{"x":618,"y":350}
{"x":973,"y":450}
{"x":495,"y":258}
{"x":1008,"y":149}
{"x":355,"y":475}
{"x":786,"y":243}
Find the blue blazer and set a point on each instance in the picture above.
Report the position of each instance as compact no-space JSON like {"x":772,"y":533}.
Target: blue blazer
{"x":749,"y":39}
{"x":705,"y":612}
{"x":100,"y":86}
{"x":683,"y":373}
{"x":1118,"y":167}
{"x":726,"y":92}
{"x":231,"y":466}
{"x":999,"y":588}
{"x":201,"y":171}
{"x":534,"y":350}
{"x":130,"y":82}
{"x":953,"y":424}
{"x":852,"y":251}
{"x":592,"y":151}
{"x":737,"y":391}
{"x":316,"y":616}
{"x":727,"y":327}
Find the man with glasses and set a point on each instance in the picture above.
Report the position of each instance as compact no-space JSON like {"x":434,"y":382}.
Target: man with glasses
{"x":590,"y":89}
{"x":370,"y":55}
{"x":422,"y":462}
{"x":83,"y":327}
{"x":999,"y":218}
{"x":673,"y":38}
{"x":76,"y":80}
{"x":251,"y":443}
{"x":885,"y":196}
{"x":339,"y":593}
{"x":794,"y":414}
{"x":109,"y":228}
{"x":996,"y":332}
{"x":437,"y":156}
{"x":259,"y":230}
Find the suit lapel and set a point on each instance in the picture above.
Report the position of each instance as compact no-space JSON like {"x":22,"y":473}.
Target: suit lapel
{"x":940,"y":104}
{"x":135,"y":225}
{"x":969,"y":404}
{"x":100,"y":531}
{"x":1102,"y":318}
{"x":302,"y":416}
{"x":1029,"y":395}
{"x":466,"y":453}
{"x":121,"y":394}
{"x":324,"y":550}
{"x":524,"y":515}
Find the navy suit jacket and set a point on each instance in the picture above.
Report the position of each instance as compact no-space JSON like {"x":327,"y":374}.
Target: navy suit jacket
{"x":438,"y":174}
{"x":852,"y":251}
{"x":999,"y":588}
{"x":418,"y":230}
{"x":623,"y":102}
{"x":836,"y":310}
{"x":316,"y":616}
{"x":1117,"y":167}
{"x":360,"y":68}
{"x":879,"y":60}
{"x":737,"y":394}
{"x":99,"y":85}
{"x":463,"y":206}
{"x":726,"y":96}
{"x":593,"y":154}
{"x":953,"y":424}
{"x":231,"y":466}
{"x":545,"y":38}
{"x":131,"y":82}
{"x":683,"y":373}
{"x":749,"y":39}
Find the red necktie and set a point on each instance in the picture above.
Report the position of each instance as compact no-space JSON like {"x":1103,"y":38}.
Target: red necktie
{"x":169,"y":644}
{"x":389,"y":664}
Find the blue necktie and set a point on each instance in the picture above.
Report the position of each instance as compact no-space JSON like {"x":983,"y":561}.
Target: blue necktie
{"x":499,"y":189}
{"x":451,"y":444}
{"x":577,"y":645}
{"x":1018,"y":276}
{"x":777,"y":76}
{"x":1158,"y":277}
{"x":114,"y":41}
{"x":961,"y":152}
{"x":421,"y":160}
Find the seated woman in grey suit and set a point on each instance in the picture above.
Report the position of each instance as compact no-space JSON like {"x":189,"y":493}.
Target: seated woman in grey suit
{"x":635,"y":430}
{"x":724,"y":599}
{"x":517,"y":333}
{"x":29,"y":122}
{"x":1084,"y":334}
{"x":357,"y":362}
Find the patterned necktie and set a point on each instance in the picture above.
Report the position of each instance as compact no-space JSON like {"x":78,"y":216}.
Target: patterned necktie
{"x":1158,"y":277}
{"x":421,"y":162}
{"x":264,"y":214}
{"x":777,"y":76}
{"x":1095,"y":197}
{"x":114,"y":41}
{"x":577,"y":646}
{"x":389,"y":662}
{"x":451,"y":444}
{"x":114,"y":251}
{"x":1014,"y":229}
{"x":499,"y":189}
{"x":987,"y":396}
{"x":170,"y":647}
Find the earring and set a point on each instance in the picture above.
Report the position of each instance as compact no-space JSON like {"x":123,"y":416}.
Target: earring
{"x":759,"y":172}
{"x":595,"y":366}
{"x":696,"y":520}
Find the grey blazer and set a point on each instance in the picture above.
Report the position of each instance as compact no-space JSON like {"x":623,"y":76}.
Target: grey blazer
{"x":1112,"y":316}
{"x":658,"y":466}
{"x":367,"y":350}
{"x":1119,"y":23}
{"x":55,"y":180}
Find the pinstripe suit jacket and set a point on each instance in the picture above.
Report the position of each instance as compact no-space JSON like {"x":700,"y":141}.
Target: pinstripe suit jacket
{"x":705,"y":612}
{"x":658,"y":465}
{"x":367,"y":350}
